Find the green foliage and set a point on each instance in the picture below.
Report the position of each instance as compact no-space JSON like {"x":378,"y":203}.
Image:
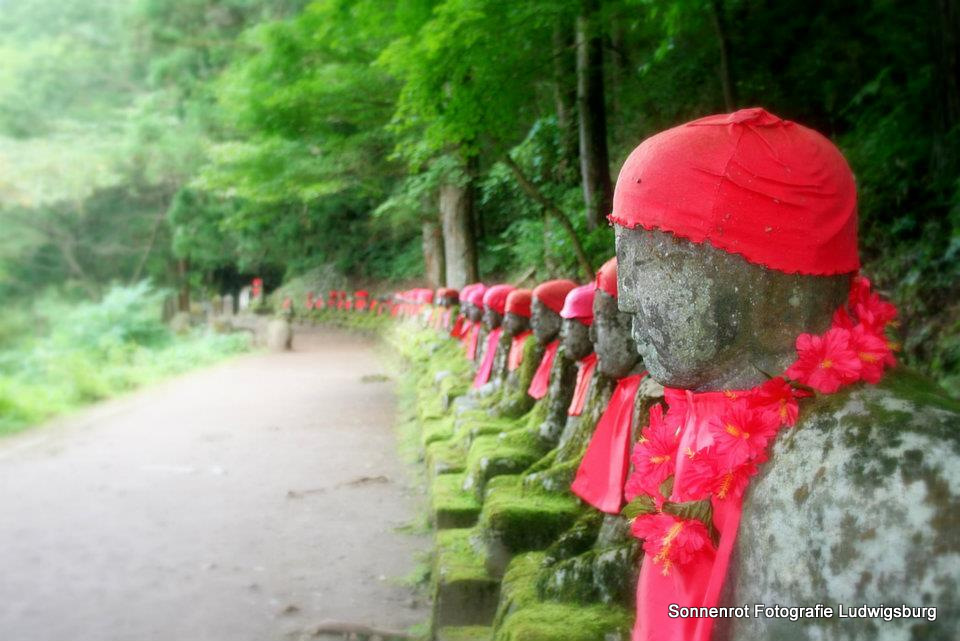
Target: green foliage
{"x":91,"y":351}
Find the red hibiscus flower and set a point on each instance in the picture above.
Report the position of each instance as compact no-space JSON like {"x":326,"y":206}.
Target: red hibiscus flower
{"x":670,"y":541}
{"x":777,"y":396}
{"x":655,"y":454}
{"x":873,"y":352}
{"x":871,"y":310}
{"x":825,"y":362}
{"x":742,"y":432}
{"x":708,"y":475}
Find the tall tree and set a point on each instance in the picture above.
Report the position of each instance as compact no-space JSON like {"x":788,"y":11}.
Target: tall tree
{"x":592,"y":113}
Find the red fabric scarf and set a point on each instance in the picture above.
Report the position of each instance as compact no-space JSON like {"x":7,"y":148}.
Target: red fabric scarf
{"x":584,"y":375}
{"x":516,"y":350}
{"x":458,"y":327}
{"x":471,"y":339}
{"x":486,"y":366}
{"x":446,"y":319}
{"x":603,"y":469}
{"x":541,"y":379}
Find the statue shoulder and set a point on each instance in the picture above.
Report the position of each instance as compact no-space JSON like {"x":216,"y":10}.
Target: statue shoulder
{"x":859,"y":504}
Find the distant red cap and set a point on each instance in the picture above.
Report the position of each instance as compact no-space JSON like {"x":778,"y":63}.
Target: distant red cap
{"x":496,"y":297}
{"x":579,"y":304}
{"x":476,"y":294}
{"x":518,"y":302}
{"x":607,"y":277}
{"x":749,"y":183}
{"x":553,"y":292}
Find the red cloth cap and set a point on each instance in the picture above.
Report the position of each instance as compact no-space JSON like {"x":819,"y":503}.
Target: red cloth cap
{"x":518,"y":302}
{"x":476,"y":294}
{"x":361,"y":293}
{"x":749,"y":183}
{"x":607,"y":277}
{"x":496,"y":297}
{"x":553,"y":293}
{"x":579,"y":304}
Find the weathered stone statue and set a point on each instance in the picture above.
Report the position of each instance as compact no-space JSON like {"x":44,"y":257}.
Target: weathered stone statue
{"x":737,"y":235}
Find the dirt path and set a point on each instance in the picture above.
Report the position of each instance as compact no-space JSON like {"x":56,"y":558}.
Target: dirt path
{"x":250,"y":501}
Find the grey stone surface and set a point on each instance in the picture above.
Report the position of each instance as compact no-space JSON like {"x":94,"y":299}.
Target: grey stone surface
{"x":858,"y":505}
{"x":617,"y":354}
{"x":545,"y":321}
{"x":279,"y":335}
{"x":514,"y":324}
{"x":708,"y":320}
{"x":575,"y":337}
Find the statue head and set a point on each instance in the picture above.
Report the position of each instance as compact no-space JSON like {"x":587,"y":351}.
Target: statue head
{"x":447,"y":297}
{"x":735,"y":234}
{"x":545,"y":306}
{"x":472,"y":301}
{"x":617,"y":354}
{"x":577,"y":314}
{"x":495,"y":305}
{"x":518,"y":311}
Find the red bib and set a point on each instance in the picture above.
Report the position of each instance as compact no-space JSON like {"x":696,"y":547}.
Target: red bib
{"x":486,"y":366}
{"x":516,"y":350}
{"x":584,"y":375}
{"x":541,"y":379}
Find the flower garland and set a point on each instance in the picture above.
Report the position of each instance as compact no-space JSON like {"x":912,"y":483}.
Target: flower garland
{"x":855,"y":348}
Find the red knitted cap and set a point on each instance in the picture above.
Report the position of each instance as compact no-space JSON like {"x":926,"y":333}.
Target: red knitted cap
{"x":553,"y":292}
{"x":518,"y":302}
{"x":607,"y":277}
{"x":496,"y":297}
{"x":749,"y":183}
{"x":579,"y":304}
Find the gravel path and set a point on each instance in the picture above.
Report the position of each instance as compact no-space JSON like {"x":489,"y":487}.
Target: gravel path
{"x":250,"y":501}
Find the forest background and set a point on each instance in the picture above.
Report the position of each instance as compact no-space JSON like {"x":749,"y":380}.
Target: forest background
{"x":195,"y":144}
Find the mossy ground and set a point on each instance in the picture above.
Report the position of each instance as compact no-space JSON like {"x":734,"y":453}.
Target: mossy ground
{"x":493,"y":455}
{"x":465,"y":633}
{"x":450,"y":505}
{"x":565,"y":622}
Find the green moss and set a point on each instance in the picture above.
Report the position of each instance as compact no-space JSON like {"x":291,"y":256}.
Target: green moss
{"x":563,"y":622}
{"x":518,"y":589}
{"x":445,"y":457}
{"x":496,"y":455}
{"x":605,"y":576}
{"x":450,"y":505}
{"x":437,"y":429}
{"x":578,"y":539}
{"x":556,"y":478}
{"x":520,"y":520}
{"x":464,"y":593}
{"x":465,"y":633}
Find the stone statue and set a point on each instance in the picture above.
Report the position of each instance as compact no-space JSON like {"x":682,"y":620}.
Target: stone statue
{"x":857,"y":504}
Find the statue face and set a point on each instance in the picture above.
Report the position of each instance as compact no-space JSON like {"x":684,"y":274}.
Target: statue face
{"x":545,"y":322}
{"x":575,"y":337}
{"x":473,"y":312}
{"x":611,"y":335}
{"x":514,"y":324}
{"x":491,"y":318}
{"x":704,"y":319}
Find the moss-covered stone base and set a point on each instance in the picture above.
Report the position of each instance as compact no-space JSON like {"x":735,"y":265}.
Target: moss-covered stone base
{"x":564,"y":622}
{"x":516,"y":520}
{"x":450,"y":505}
{"x":463,"y":592}
{"x":445,"y":457}
{"x":498,"y":455}
{"x":465,"y":633}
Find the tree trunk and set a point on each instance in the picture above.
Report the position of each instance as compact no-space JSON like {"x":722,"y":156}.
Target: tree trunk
{"x":565,"y":97}
{"x":433,"y":258}
{"x":459,"y":244}
{"x":594,"y":158}
{"x":717,"y":17}
{"x":183,"y":294}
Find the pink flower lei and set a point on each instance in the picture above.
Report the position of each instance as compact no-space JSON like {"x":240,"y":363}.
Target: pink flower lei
{"x":855,"y":348}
